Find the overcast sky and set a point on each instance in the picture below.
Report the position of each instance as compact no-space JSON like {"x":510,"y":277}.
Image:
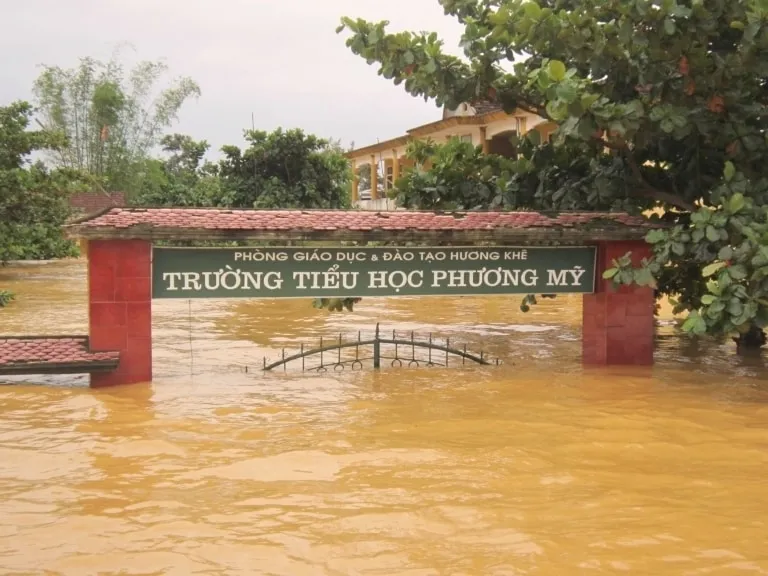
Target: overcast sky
{"x":278,"y":59}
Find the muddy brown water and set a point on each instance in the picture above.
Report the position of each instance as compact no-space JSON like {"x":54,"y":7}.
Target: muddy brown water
{"x":533,"y":467}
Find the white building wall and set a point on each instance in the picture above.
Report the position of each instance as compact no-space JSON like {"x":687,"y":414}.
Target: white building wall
{"x":510,"y":123}
{"x":378,"y":205}
{"x":443,"y":136}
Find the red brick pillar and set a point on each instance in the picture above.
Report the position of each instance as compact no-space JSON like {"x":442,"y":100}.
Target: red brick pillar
{"x":120,"y":307}
{"x":618,"y":323}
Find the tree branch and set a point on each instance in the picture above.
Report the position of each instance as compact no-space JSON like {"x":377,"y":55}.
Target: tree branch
{"x":646,"y":190}
{"x":649,"y":191}
{"x":611,"y":145}
{"x":533,"y":109}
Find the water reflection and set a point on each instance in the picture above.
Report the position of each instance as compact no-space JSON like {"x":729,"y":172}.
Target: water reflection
{"x":534,"y":467}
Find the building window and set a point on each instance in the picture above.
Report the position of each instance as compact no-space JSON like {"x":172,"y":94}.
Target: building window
{"x":466,"y":138}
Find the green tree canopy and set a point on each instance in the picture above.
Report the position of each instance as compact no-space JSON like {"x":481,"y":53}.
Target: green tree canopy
{"x":657,"y":103}
{"x":285,"y":169}
{"x":112,"y":120}
{"x":183,"y":178}
{"x":34,"y":203}
{"x":281,"y":169}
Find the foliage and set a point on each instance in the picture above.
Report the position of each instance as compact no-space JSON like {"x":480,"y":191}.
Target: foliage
{"x":651,"y":99}
{"x":285,"y":169}
{"x":182,"y":179}
{"x":725,"y":250}
{"x":278,"y":170}
{"x":336,"y":304}
{"x":6,"y":298}
{"x":364,"y":177}
{"x":34,"y":202}
{"x":111,"y":119}
{"x":460,"y":177}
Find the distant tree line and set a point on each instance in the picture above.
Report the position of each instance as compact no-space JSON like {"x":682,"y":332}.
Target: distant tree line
{"x":99,"y":127}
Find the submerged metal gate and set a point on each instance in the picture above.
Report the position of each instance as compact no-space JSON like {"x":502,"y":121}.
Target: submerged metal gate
{"x":338,"y":354}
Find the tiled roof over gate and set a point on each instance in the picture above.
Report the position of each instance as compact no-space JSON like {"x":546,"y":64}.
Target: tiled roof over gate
{"x":33,"y":354}
{"x":219,"y":219}
{"x":156,"y":222}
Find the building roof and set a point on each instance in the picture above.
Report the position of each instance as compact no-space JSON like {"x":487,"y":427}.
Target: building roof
{"x":478,"y":108}
{"x":60,"y":354}
{"x":485,"y":112}
{"x":485,"y":107}
{"x":359,"y":225}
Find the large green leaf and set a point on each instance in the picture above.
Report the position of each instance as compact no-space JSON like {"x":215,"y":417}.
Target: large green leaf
{"x":532,"y":9}
{"x":655,"y":236}
{"x":737,"y":272}
{"x":556,"y":70}
{"x":711,"y":269}
{"x":736,"y":203}
{"x":726,"y":253}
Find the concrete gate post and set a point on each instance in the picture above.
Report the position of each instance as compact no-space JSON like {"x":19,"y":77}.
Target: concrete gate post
{"x":120,"y":307}
{"x":618,"y":323}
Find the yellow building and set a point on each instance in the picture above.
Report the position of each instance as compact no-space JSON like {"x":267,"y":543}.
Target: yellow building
{"x":481,"y":123}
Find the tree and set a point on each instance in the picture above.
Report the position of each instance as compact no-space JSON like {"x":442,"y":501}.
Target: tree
{"x":278,"y":170}
{"x":364,"y":177}
{"x":460,"y":177}
{"x":34,"y":202}
{"x":182,"y":179}
{"x":112,"y":120}
{"x":658,"y":104}
{"x":285,"y":169}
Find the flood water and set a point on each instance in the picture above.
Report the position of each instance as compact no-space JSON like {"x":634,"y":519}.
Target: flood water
{"x":533,"y":467}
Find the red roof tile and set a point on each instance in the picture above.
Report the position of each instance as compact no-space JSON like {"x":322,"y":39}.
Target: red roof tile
{"x":26,"y":353}
{"x":317,"y":220}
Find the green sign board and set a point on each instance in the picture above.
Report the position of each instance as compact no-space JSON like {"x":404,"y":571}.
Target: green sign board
{"x":365,"y":272}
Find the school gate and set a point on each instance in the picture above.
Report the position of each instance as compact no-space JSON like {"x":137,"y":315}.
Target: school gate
{"x":471,"y":253}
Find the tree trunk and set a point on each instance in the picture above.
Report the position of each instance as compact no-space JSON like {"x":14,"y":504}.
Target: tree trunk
{"x":751,"y":341}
